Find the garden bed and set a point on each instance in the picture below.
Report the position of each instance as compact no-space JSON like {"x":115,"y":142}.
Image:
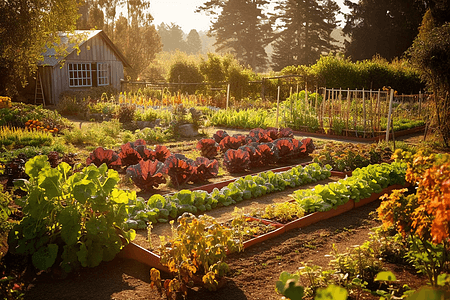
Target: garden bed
{"x":361,"y":139}
{"x":144,"y":255}
{"x":253,"y":272}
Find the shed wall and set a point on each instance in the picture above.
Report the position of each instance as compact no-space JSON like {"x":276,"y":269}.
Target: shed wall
{"x":93,"y":50}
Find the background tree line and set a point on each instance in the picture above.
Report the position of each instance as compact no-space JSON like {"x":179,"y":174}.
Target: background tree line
{"x":299,"y":31}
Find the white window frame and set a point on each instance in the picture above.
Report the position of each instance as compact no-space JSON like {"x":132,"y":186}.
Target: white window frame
{"x":80,"y":74}
{"x":102,"y":74}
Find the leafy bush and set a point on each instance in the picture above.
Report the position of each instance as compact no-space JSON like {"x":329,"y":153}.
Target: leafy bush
{"x":206,"y":242}
{"x":85,"y":231}
{"x":185,"y":72}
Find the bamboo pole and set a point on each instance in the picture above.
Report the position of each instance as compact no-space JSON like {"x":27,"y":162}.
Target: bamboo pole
{"x":290,"y":97}
{"x":355,"y":117}
{"x":364,"y":112}
{"x":348,"y":109}
{"x":391,"y":99}
{"x":278,"y":105}
{"x":378,"y":111}
{"x":228,"y":95}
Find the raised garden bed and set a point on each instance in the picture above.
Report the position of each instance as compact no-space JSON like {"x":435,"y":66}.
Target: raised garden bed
{"x":133,"y":251}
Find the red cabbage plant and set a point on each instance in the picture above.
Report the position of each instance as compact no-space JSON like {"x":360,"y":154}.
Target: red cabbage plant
{"x":268,"y":152}
{"x":138,"y":142}
{"x":101,"y":155}
{"x":285,"y":133}
{"x":128,"y":155}
{"x":179,"y":168}
{"x":161,"y":153}
{"x":205,"y":169}
{"x":272,"y":132}
{"x":236,"y":160}
{"x":260,"y":134}
{"x":255,"y":156}
{"x":220,"y":135}
{"x":231,"y":142}
{"x":147,"y":174}
{"x":145,"y":153}
{"x":307,"y":146}
{"x":208,"y":147}
{"x":285,"y":148}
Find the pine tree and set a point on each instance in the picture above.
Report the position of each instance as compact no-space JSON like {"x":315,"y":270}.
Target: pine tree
{"x":193,"y":42}
{"x":171,"y":37}
{"x":305,"y":28}
{"x":242,"y":29}
{"x":383,"y":27}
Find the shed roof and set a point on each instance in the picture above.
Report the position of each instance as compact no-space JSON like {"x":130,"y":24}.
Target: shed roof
{"x":69,"y":43}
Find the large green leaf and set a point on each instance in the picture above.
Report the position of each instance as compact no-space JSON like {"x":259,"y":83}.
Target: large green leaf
{"x":332,"y":292}
{"x":288,"y":286}
{"x":36,"y":164}
{"x":70,"y":220}
{"x":49,"y":180}
{"x":83,"y":190}
{"x":45,"y":256}
{"x":428,"y":293}
{"x":385,"y":276}
{"x":69,"y":258}
{"x":121,"y":196}
{"x":65,"y":169}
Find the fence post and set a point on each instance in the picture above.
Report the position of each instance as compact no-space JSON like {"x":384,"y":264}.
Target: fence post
{"x":391,"y":99}
{"x":228,"y":94}
{"x":420,"y":102}
{"x":278,"y":104}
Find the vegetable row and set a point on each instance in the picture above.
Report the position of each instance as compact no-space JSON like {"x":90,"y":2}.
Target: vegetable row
{"x":363,"y":182}
{"x":161,"y":208}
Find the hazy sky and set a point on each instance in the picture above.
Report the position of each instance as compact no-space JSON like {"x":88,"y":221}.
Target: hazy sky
{"x":181,"y":12}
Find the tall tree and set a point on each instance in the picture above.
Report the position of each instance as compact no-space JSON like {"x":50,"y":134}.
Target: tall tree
{"x":384,"y":27}
{"x":134,"y":34}
{"x":430,"y":54}
{"x":193,"y":42}
{"x":240,"y":28}
{"x":171,"y":37}
{"x":139,"y":42}
{"x":304,"y":31}
{"x":25,"y":29}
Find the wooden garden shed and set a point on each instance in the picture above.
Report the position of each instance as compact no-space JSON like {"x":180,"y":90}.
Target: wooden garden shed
{"x":90,"y":59}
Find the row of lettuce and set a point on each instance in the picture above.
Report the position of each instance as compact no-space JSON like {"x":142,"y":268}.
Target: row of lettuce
{"x":361,"y":185}
{"x":161,"y":208}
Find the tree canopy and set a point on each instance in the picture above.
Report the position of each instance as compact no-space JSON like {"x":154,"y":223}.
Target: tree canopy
{"x":134,"y":34}
{"x":430,"y":54}
{"x":26,"y":27}
{"x":304,"y":31}
{"x":241,"y":28}
{"x":384,"y":27}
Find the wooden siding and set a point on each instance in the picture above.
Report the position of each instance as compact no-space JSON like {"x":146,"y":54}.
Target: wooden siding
{"x":98,"y":51}
{"x":46,"y":77}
